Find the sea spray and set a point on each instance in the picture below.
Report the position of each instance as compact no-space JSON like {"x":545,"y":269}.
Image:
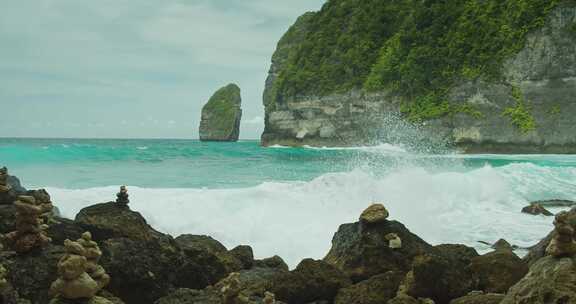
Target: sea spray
{"x":291,"y":201}
{"x":297,"y":219}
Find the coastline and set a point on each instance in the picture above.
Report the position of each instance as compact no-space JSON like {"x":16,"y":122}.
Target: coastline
{"x":360,"y":256}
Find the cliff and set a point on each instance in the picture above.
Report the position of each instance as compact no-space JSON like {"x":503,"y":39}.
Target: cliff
{"x":221,"y":115}
{"x":490,"y":76}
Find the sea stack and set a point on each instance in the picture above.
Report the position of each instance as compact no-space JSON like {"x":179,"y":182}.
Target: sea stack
{"x":221,"y":115}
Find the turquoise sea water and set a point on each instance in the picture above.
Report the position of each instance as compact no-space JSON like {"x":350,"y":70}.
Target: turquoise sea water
{"x":290,"y":201}
{"x":86,"y":163}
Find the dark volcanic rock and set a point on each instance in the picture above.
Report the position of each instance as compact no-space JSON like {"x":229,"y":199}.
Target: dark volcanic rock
{"x":16,"y":185}
{"x":145,"y":264}
{"x":406,"y":299}
{"x":200,"y":242}
{"x":461,"y":254}
{"x":502,"y":244}
{"x":362,"y":251}
{"x":7,"y":218}
{"x":206,"y":296}
{"x":7,"y":198}
{"x":253,"y":282}
{"x":479,"y":298}
{"x":550,"y":280}
{"x":32,"y":274}
{"x":498,"y":270}
{"x":539,"y":250}
{"x":555,"y":203}
{"x":190,"y":296}
{"x":310,"y":281}
{"x":141,"y":271}
{"x":16,"y":190}
{"x":536,"y":209}
{"x":272,"y":262}
{"x":8,"y":295}
{"x":63,"y":229}
{"x":108,"y":220}
{"x":244,"y":254}
{"x":209,"y":256}
{"x":378,"y":289}
{"x":258,"y":280}
{"x":438,"y":278}
{"x":221,"y":115}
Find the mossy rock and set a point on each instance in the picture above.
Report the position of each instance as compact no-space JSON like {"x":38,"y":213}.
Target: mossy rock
{"x":221,"y":115}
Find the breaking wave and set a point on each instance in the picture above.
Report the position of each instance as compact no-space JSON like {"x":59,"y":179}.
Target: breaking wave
{"x":298,"y":219}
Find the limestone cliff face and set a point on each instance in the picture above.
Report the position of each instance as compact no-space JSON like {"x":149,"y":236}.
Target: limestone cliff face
{"x":221,"y":115}
{"x":531,"y":109}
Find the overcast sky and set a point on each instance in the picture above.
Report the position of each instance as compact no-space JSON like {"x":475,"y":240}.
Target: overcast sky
{"x":133,"y":68}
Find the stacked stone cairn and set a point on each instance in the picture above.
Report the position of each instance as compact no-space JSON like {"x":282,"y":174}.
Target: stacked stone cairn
{"x":30,"y":228}
{"x":74,"y":283}
{"x":122,"y":197}
{"x":376,"y":213}
{"x":4,"y":186}
{"x":93,"y":253}
{"x":231,"y":290}
{"x":562,"y":244}
{"x":43,"y":199}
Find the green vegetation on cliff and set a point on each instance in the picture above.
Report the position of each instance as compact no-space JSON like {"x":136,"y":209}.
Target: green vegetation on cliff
{"x":417,"y":49}
{"x":520,"y":114}
{"x":220,"y":114}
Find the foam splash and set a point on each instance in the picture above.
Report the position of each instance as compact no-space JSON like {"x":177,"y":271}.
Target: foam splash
{"x":297,"y":220}
{"x":380,"y":148}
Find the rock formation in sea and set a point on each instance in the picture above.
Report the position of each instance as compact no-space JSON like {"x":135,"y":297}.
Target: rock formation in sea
{"x":221,"y":115}
{"x":536,"y":209}
{"x":489,"y":76}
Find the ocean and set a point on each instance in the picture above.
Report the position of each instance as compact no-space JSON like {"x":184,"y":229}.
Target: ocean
{"x":290,"y":201}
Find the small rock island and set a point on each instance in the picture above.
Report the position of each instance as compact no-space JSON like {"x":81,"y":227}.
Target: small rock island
{"x":221,"y":115}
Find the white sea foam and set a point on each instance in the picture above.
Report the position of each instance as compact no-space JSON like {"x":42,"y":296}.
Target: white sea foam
{"x":297,"y":220}
{"x":381,"y":148}
{"x":280,"y":147}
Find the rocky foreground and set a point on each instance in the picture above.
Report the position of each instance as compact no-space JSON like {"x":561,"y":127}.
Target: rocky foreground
{"x":372,"y":261}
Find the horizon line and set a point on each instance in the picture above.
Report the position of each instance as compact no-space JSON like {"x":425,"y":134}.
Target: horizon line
{"x":117,"y":138}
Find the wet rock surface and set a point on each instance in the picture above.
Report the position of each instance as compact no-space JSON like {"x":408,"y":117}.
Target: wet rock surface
{"x":311,"y":281}
{"x":497,"y":271}
{"x":536,"y":209}
{"x":438,"y":278}
{"x":479,"y":298}
{"x":109,"y":220}
{"x":362,"y":251}
{"x":372,"y":261}
{"x":378,"y":289}
{"x":550,"y":280}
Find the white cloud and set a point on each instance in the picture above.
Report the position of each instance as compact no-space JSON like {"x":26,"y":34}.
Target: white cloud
{"x":257,"y":120}
{"x":120,"y":61}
